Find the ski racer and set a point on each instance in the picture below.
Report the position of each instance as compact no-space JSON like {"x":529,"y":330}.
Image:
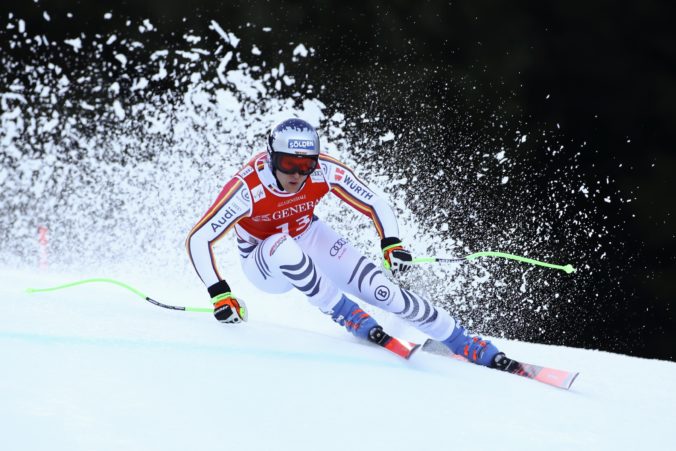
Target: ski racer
{"x":284,"y":245}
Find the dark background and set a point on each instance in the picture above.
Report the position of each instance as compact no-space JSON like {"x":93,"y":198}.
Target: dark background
{"x":604,"y":71}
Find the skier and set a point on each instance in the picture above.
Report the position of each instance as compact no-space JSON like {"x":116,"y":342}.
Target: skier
{"x":283,"y":245}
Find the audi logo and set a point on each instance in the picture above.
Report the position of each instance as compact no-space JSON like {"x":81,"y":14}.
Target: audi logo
{"x":337,"y":246}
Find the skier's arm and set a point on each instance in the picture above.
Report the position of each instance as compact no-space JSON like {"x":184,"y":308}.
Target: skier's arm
{"x":232,"y":204}
{"x":351,"y":190}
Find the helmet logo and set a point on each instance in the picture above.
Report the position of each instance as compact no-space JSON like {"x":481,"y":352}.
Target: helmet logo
{"x":303,"y":144}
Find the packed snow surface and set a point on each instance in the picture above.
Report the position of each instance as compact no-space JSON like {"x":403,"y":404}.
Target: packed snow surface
{"x":94,"y":367}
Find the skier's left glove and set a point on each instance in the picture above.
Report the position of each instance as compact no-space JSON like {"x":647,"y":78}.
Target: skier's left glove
{"x":395,"y":257}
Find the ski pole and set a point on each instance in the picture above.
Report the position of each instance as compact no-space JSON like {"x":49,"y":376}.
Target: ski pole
{"x":125,"y":286}
{"x":568,"y":269}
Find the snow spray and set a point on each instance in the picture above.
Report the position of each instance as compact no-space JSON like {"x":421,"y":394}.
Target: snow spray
{"x":125,"y":149}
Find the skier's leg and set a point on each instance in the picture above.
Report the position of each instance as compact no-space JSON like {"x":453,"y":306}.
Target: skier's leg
{"x":278,"y":264}
{"x":258,"y":272}
{"x":355,"y":274}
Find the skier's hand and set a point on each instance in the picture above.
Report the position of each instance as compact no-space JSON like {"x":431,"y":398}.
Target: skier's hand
{"x":229,"y":309}
{"x":395,"y":257}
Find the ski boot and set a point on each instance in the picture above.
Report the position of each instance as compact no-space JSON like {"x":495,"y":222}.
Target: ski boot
{"x":473,"y":348}
{"x":362,"y":325}
{"x":348,"y":314}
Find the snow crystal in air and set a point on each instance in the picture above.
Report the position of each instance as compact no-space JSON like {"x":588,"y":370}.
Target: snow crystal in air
{"x":389,"y":136}
{"x":139,"y":84}
{"x":121,"y":58}
{"x":220,"y":71}
{"x":300,"y":50}
{"x":338,"y":117}
{"x":114,"y":88}
{"x":119,"y":111}
{"x":76,"y":43}
{"x":192,"y":38}
{"x":228,"y":37}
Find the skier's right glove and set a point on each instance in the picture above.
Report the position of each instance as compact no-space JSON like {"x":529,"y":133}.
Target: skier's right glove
{"x":229,"y":309}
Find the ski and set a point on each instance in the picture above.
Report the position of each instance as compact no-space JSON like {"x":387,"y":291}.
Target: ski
{"x":400,"y":347}
{"x":551,"y":376}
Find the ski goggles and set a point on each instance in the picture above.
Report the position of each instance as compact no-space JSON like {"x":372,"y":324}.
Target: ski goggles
{"x":294,"y":164}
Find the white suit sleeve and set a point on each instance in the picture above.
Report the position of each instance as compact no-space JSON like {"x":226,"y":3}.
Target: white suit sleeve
{"x":351,"y":190}
{"x":232,"y":204}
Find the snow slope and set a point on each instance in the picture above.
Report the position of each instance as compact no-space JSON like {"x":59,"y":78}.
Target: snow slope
{"x":96,"y":368}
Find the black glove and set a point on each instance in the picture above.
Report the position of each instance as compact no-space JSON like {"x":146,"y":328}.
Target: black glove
{"x":395,"y":257}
